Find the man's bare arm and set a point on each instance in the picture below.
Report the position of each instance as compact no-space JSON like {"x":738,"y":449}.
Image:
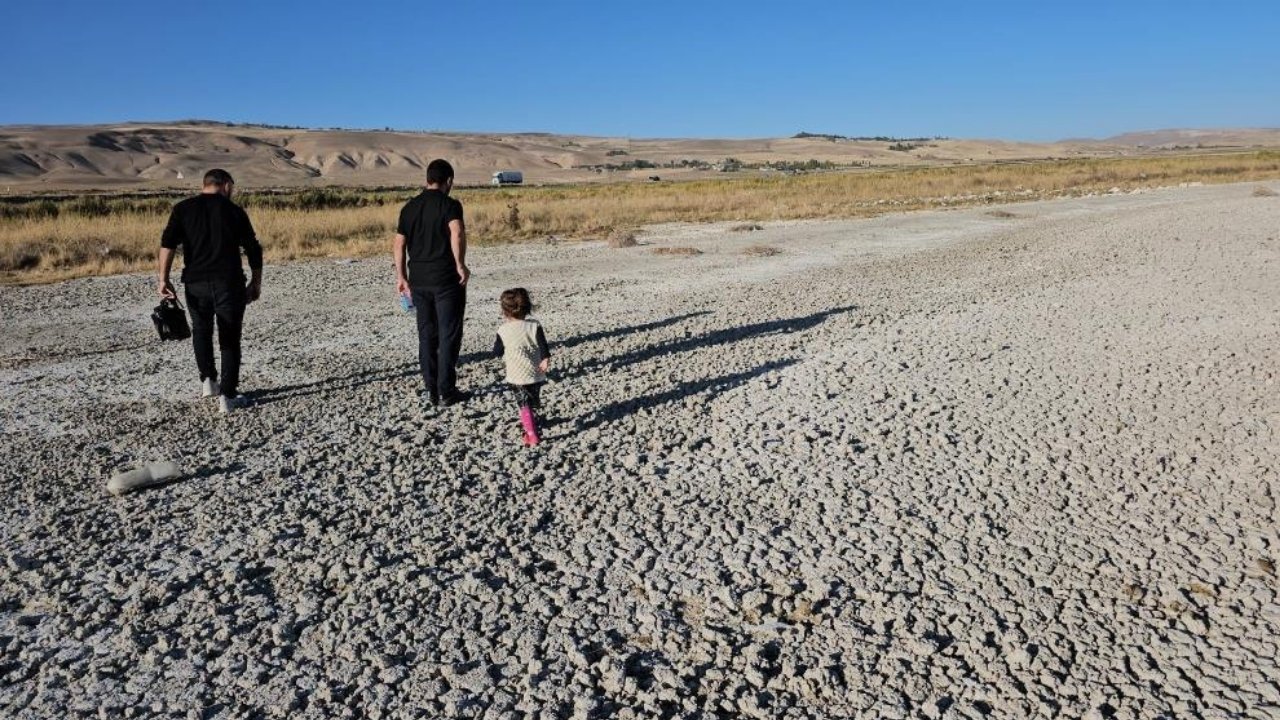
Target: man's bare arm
{"x":164,"y":266}
{"x":253,"y":251}
{"x":458,"y":240}
{"x":398,"y":257}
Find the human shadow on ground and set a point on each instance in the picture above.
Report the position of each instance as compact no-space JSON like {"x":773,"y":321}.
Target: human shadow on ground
{"x":725,"y":336}
{"x":15,"y":362}
{"x":630,"y":330}
{"x":409,"y":369}
{"x":342,"y":382}
{"x":712,"y":387}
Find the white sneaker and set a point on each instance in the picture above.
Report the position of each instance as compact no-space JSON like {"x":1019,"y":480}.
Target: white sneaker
{"x":227,"y":404}
{"x":210,"y":388}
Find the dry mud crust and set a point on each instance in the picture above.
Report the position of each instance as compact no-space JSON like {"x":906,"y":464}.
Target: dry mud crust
{"x":938,"y":464}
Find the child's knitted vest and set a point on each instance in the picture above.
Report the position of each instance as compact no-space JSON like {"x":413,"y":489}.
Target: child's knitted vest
{"x":520,"y":351}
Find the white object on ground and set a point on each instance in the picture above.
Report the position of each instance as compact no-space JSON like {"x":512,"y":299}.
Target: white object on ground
{"x":210,"y":387}
{"x":146,"y":476}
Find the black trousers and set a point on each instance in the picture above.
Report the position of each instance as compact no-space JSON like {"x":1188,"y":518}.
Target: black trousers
{"x":221,"y":300}
{"x":440,"y":311}
{"x":528,"y":395}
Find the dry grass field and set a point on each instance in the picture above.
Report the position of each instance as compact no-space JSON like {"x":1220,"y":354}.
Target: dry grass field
{"x":45,"y":240}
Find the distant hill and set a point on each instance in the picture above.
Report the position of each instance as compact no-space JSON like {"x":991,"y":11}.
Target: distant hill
{"x":1244,"y":137}
{"x":156,"y":155}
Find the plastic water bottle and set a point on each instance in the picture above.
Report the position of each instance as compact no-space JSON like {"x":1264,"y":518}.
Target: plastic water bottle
{"x":406,"y":304}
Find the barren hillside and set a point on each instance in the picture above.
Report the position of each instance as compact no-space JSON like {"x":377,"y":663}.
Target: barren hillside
{"x":1241,"y":137}
{"x":173,"y":154}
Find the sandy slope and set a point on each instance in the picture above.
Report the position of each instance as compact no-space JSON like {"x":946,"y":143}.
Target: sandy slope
{"x":936,"y":464}
{"x":134,"y":155}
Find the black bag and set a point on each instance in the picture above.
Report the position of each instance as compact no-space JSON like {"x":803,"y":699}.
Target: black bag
{"x":171,"y":320}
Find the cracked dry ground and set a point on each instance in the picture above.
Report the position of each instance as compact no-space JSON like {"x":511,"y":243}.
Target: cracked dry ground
{"x":950,"y":464}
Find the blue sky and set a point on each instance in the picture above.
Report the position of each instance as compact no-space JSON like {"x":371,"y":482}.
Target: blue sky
{"x":1034,"y":69}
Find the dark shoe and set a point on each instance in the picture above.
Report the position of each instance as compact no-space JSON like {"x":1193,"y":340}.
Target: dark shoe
{"x":432,"y":397}
{"x":454,"y":398}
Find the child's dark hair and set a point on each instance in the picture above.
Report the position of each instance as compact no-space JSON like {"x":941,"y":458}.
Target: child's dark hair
{"x":516,"y":303}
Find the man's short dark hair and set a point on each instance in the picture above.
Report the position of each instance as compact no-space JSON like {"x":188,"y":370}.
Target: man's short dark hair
{"x":438,"y":171}
{"x":217,"y":176}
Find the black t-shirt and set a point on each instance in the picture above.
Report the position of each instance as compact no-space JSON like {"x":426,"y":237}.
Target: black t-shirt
{"x":424,"y":222}
{"x":211,"y":230}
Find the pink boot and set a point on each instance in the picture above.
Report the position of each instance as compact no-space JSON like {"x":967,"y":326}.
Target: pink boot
{"x":530,"y":426}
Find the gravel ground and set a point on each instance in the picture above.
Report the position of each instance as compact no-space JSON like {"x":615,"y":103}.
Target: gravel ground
{"x":944,"y":464}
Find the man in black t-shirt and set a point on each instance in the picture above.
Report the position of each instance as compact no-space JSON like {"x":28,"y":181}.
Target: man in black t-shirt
{"x":211,"y":230}
{"x":430,"y":252}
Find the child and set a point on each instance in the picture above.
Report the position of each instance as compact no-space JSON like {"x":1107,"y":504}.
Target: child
{"x":522,"y":344}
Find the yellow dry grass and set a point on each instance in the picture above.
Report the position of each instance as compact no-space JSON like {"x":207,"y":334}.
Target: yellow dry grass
{"x":72,"y":245}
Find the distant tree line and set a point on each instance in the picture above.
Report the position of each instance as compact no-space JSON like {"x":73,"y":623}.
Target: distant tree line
{"x":868,"y":138}
{"x":725,"y":165}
